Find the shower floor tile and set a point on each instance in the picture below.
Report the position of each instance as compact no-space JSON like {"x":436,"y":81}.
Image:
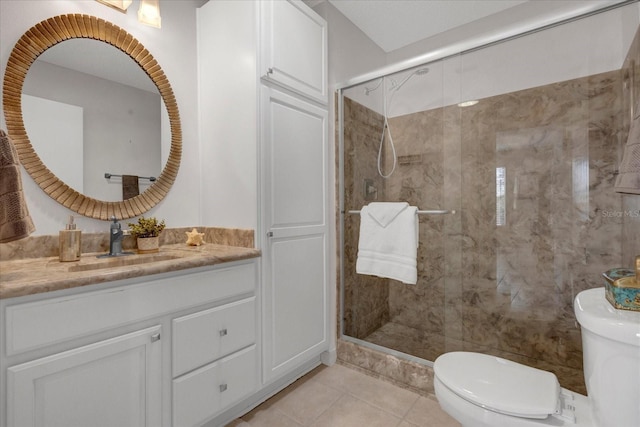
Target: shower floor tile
{"x":338,"y":396}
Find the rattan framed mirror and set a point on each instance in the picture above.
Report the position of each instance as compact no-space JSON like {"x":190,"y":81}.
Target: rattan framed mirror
{"x":32,"y":44}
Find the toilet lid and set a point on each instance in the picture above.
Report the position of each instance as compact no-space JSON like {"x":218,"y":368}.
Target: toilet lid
{"x":498,"y":384}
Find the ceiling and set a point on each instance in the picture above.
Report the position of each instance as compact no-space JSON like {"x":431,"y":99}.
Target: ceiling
{"x":393,"y":24}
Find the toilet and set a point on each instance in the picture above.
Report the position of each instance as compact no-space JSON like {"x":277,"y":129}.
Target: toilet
{"x":479,"y":390}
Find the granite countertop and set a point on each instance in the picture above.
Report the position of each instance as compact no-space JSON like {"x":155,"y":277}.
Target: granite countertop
{"x":38,"y":275}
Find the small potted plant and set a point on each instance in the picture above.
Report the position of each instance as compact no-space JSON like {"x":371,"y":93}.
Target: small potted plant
{"x":146,"y":231}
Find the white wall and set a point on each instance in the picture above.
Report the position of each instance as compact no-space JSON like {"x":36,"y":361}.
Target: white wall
{"x":174,"y":47}
{"x":228,"y":130}
{"x":56,"y":133}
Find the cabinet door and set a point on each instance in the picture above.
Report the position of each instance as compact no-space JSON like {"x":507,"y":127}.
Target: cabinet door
{"x":293,"y":49}
{"x":294,"y":203}
{"x":117,"y":382}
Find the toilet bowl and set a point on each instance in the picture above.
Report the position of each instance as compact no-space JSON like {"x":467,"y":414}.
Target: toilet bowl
{"x":480,"y":390}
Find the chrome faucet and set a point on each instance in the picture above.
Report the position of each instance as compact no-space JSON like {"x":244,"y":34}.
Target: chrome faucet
{"x":115,"y":240}
{"x":115,"y":237}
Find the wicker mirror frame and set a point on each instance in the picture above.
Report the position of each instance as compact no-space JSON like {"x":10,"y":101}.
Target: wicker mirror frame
{"x":32,"y":44}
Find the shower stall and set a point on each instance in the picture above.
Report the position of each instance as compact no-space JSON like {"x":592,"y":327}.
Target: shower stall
{"x":511,"y":148}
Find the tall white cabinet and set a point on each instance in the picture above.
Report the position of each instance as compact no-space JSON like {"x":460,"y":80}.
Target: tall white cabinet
{"x":294,"y":153}
{"x":263,"y":91}
{"x":293,"y":47}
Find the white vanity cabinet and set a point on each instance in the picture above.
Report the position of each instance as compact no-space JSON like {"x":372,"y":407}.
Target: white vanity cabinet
{"x":173,"y":349}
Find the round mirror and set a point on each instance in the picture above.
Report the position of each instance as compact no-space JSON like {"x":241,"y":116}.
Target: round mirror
{"x":103,"y":112}
{"x":85,"y":168}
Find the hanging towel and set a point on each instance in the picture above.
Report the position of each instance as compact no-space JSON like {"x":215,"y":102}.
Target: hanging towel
{"x":388,"y":241}
{"x":15,"y":221}
{"x":628,"y":179}
{"x":130,"y":187}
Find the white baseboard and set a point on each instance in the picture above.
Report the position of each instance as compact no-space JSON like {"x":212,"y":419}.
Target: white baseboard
{"x":329,"y":357}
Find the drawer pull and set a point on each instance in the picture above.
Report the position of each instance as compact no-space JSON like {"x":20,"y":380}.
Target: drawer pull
{"x":223,"y":387}
{"x":155,"y":337}
{"x":223,"y":332}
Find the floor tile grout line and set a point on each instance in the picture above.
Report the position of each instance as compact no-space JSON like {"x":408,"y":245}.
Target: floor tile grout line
{"x":289,"y":417}
{"x":413,"y":405}
{"x":341,"y":393}
{"x":374,"y":406}
{"x":416,"y":396}
{"x":326,"y":409}
{"x":336,"y":400}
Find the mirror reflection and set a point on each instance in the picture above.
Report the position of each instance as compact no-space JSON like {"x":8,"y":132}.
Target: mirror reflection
{"x":90,"y":110}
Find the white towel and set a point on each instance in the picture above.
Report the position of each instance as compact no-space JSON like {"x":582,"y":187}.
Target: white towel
{"x":389,"y":241}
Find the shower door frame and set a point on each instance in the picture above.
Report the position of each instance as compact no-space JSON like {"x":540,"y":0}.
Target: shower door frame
{"x":528,"y":27}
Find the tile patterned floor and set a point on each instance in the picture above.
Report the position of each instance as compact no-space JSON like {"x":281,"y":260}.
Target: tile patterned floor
{"x":337,"y":396}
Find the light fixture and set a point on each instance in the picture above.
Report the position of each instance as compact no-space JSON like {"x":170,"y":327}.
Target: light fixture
{"x":149,"y":12}
{"x":120,"y":5}
{"x":468,"y":103}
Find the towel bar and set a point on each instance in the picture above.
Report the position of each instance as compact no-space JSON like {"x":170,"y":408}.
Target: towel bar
{"x":150,"y":178}
{"x":426,"y":212}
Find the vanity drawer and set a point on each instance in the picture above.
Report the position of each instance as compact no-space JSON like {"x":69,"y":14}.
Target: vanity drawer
{"x":201,"y":394}
{"x":37,"y":324}
{"x":207,"y":335}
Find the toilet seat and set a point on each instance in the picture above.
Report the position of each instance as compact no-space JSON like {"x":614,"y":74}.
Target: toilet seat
{"x":499,"y":385}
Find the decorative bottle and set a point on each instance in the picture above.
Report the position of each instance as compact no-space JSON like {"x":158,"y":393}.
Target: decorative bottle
{"x":70,"y":242}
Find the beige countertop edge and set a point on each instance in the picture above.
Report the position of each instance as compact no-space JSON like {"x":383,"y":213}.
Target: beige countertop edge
{"x":35,"y":276}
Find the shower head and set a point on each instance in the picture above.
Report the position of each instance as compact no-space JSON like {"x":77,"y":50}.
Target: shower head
{"x":418,"y":72}
{"x":368,"y":90}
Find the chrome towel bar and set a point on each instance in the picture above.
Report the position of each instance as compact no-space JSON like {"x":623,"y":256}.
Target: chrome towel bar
{"x":109,"y":175}
{"x":425,"y":212}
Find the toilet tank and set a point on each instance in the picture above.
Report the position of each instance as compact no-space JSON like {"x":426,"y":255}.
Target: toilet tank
{"x":611,"y":356}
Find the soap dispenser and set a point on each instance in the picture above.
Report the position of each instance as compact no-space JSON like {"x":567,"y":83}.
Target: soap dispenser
{"x":70,"y":242}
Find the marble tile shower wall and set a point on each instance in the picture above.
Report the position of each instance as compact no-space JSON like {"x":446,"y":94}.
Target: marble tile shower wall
{"x":365,"y":298}
{"x":531,"y":175}
{"x":631,"y":105}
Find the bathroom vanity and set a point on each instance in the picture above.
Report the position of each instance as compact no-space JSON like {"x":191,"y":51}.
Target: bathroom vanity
{"x":169,"y":348}
{"x":174,"y":338}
